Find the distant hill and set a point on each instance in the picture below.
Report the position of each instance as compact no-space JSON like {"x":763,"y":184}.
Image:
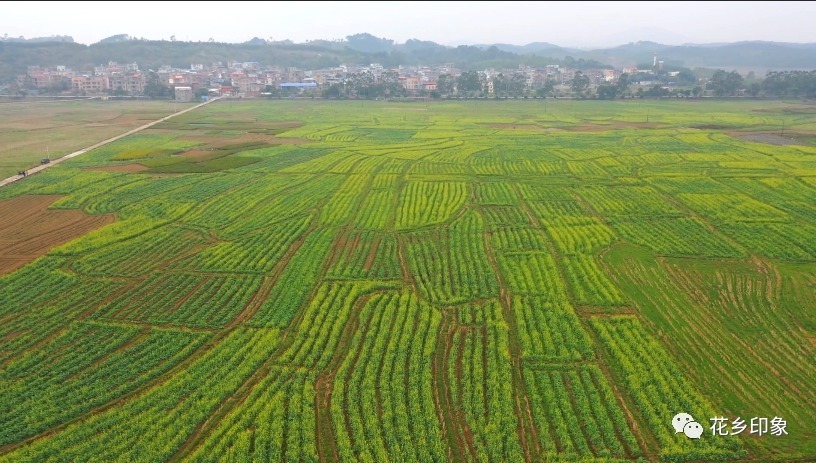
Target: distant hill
{"x":535,"y":48}
{"x":53,"y":38}
{"x":363,"y":49}
{"x":757,"y":56}
{"x":740,"y":55}
{"x":15,"y":57}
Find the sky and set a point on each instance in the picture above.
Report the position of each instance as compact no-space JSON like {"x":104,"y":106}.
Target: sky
{"x":568,"y":24}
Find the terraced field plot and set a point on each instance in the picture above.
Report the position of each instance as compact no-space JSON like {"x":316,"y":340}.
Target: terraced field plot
{"x":453,"y":281}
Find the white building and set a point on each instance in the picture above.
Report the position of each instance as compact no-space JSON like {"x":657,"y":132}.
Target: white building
{"x":184,"y":94}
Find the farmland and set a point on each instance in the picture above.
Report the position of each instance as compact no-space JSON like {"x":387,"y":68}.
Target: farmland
{"x":31,"y":131}
{"x":387,"y":281}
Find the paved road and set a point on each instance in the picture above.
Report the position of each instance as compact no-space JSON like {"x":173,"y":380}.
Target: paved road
{"x":34,"y":170}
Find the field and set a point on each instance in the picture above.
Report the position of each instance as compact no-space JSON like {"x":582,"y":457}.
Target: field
{"x":445,"y":281}
{"x":30,"y":131}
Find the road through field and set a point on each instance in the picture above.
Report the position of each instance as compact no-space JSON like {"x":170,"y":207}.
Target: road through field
{"x":34,"y":170}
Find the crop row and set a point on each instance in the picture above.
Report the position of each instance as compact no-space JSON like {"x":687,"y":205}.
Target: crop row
{"x":428,"y":203}
{"x":152,"y":426}
{"x":139,"y":255}
{"x":35,"y":321}
{"x":518,"y":239}
{"x":289,"y":199}
{"x":84,"y":366}
{"x":550,"y":331}
{"x":345,"y":202}
{"x":366,"y":255}
{"x":296,"y":281}
{"x":196,"y":300}
{"x":495,"y":193}
{"x":451,"y":265}
{"x":276,"y":422}
{"x":481,"y":385}
{"x":577,"y":415}
{"x":319,"y":330}
{"x":376,"y":210}
{"x":504,"y":216}
{"x":232,"y":208}
{"x":532,"y":273}
{"x":660,"y":390}
{"x":256,"y":252}
{"x":38,"y":282}
{"x":640,"y":201}
{"x":382,"y":405}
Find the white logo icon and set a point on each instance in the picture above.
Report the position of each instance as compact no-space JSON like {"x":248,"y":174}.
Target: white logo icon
{"x":679,"y":421}
{"x":683,"y":422}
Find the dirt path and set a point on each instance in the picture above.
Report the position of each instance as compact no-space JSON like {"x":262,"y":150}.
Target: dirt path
{"x":42,"y":167}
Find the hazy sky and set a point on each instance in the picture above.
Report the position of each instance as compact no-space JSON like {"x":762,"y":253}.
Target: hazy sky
{"x":575,"y":24}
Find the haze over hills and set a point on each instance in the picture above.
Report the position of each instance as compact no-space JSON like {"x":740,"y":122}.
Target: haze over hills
{"x":18,"y":53}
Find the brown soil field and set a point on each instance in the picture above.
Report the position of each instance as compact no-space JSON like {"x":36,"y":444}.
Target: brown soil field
{"x":129,"y":168}
{"x":586,"y":127}
{"x":525,"y":127}
{"x":218,"y":141}
{"x":28,"y":229}
{"x":199,"y":136}
{"x":769,"y":138}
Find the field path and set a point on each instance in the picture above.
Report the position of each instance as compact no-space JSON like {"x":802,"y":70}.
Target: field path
{"x":41,"y":167}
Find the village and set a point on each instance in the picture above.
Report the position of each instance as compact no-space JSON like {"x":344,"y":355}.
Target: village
{"x":253,"y":79}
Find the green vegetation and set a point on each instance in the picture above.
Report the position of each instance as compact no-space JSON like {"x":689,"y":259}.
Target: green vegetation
{"x":456,"y":281}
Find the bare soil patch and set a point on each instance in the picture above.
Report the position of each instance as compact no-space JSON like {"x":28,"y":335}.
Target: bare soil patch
{"x":525,"y":127}
{"x":769,"y":138}
{"x":28,"y":229}
{"x":711,"y":127}
{"x":218,"y":141}
{"x":612,"y":125}
{"x":129,"y":168}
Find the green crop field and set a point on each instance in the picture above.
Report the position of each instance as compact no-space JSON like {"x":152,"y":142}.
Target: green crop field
{"x":422,"y":282}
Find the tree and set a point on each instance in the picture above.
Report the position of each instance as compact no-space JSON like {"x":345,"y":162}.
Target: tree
{"x":579,"y":84}
{"x":607,"y":92}
{"x":332,"y":92}
{"x":725,"y":83}
{"x":468,"y":83}
{"x":155,"y":88}
{"x":623,"y":84}
{"x":547,"y":88}
{"x":517,"y":84}
{"x":444,"y":84}
{"x":656,"y":91}
{"x":390,"y":85}
{"x":500,"y":85}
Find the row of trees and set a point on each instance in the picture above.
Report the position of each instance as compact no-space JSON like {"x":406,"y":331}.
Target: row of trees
{"x":367,"y":85}
{"x":468,"y":84}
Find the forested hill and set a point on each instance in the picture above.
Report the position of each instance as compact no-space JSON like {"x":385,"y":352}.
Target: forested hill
{"x":16,"y":56}
{"x":364,"y":49}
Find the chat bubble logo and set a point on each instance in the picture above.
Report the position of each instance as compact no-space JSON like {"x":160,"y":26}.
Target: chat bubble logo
{"x":680,"y":420}
{"x":693,"y":430}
